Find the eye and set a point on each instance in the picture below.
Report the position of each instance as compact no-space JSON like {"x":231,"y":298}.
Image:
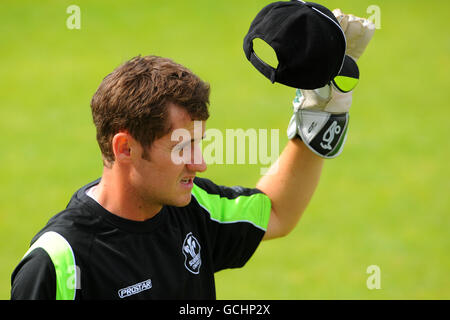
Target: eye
{"x":182,"y":146}
{"x":178,"y":147}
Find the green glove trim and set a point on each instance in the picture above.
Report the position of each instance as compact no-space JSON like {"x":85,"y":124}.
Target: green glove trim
{"x":345,"y":84}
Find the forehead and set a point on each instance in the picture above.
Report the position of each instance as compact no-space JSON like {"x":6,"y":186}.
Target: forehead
{"x":179,"y":118}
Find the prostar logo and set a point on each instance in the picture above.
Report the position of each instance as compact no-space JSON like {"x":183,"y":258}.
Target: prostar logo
{"x":135,"y":288}
{"x":191,"y":251}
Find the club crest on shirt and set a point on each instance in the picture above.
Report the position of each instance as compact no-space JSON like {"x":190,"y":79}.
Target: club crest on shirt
{"x":191,"y":251}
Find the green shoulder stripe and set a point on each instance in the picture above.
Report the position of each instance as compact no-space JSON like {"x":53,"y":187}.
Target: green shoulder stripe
{"x":254,"y":209}
{"x":63,"y":259}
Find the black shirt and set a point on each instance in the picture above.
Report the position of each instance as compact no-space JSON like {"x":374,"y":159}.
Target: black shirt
{"x":86,"y":252}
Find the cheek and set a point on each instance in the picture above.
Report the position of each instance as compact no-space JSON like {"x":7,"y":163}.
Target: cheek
{"x":164,"y":175}
{"x":159,"y":171}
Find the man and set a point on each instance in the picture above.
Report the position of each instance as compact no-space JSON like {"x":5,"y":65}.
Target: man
{"x":149,"y":228}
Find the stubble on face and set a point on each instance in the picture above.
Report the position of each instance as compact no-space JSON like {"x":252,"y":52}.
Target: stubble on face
{"x":160,"y":181}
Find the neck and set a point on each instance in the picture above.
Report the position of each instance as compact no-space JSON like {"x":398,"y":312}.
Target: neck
{"x":116,"y":195}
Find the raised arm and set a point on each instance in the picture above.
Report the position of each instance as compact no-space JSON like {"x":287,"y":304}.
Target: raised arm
{"x":290,"y":184}
{"x":320,"y":120}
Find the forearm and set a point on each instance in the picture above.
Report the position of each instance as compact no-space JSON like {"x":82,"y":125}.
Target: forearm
{"x":290,"y":184}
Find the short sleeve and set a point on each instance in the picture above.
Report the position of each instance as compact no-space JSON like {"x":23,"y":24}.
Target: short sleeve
{"x":237,"y":220}
{"x":34,"y":277}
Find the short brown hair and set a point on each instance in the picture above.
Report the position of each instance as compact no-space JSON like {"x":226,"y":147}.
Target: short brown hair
{"x":135,"y":95}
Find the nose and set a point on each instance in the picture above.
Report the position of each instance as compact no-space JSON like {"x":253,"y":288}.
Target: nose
{"x":197,"y":162}
{"x":198,"y":167}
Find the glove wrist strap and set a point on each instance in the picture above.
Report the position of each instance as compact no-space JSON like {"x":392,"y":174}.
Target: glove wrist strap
{"x":323,"y":132}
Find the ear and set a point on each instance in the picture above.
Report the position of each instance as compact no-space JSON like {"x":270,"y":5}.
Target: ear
{"x":121,"y":144}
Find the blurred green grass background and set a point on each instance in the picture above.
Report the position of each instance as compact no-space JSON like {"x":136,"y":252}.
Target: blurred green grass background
{"x":384,"y":201}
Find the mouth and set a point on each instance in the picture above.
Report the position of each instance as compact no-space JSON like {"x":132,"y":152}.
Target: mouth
{"x":187,"y":182}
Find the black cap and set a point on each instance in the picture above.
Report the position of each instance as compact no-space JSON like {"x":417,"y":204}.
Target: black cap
{"x":307,"y":39}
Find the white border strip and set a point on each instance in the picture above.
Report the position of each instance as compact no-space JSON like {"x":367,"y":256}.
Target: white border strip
{"x":47,"y":238}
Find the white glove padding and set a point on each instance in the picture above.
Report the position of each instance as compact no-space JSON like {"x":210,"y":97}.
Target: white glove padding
{"x":321,"y":119}
{"x":358,"y":32}
{"x":327,"y":99}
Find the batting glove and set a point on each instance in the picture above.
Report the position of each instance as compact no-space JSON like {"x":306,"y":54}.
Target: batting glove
{"x":321,"y":115}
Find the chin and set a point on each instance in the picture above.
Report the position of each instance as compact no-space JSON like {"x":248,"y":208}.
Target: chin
{"x":182,"y":201}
